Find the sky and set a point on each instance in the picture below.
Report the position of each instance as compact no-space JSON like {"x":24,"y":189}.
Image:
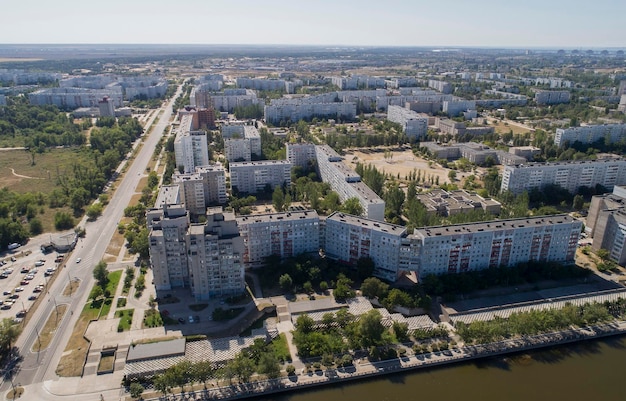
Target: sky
{"x":479,"y":23}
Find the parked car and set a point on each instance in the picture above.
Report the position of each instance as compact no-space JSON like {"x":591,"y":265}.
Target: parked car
{"x":24,"y":282}
{"x":39,"y":263}
{"x":6,"y":292}
{"x":78,"y":260}
{"x":19,"y":289}
{"x":33,"y":297}
{"x":191,"y":319}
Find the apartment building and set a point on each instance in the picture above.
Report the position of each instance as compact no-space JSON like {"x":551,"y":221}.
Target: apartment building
{"x":552,"y":97}
{"x":297,"y":109}
{"x":167,"y":227}
{"x":253,"y":177}
{"x":190,"y":147}
{"x":226,"y":101}
{"x":478,"y":246}
{"x":456,"y":108}
{"x":413,"y":125}
{"x":590,"y":133}
{"x":347,"y":183}
{"x":568,"y":175}
{"x":266,"y":84}
{"x":206,"y":258}
{"x":606,"y":223}
{"x":300,"y":154}
{"x":215,"y":256}
{"x":74,"y":98}
{"x":441,"y":86}
{"x":349,"y":238}
{"x":204,"y":187}
{"x":241,"y":142}
{"x":358,"y":82}
{"x":284,"y":234}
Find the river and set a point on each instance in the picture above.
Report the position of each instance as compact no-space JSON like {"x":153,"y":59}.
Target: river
{"x":591,"y":370}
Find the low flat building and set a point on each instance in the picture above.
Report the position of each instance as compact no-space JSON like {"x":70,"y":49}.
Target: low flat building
{"x":448,"y":203}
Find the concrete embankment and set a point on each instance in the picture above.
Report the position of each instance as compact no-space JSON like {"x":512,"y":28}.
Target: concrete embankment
{"x":364,"y":370}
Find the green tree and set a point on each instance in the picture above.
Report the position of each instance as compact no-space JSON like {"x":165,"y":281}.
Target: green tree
{"x":352,"y":206}
{"x":374,"y":288}
{"x":94,"y":211}
{"x":136,"y":390}
{"x":370,"y":328}
{"x":96,"y":293}
{"x":286,"y":283}
{"x":278,"y":199}
{"x":35,"y":226}
{"x":343,"y":290}
{"x":452,"y":175}
{"x":101,"y":274}
{"x":63,"y":221}
{"x":9,"y":332}
{"x":578,"y":202}
{"x":268,"y":365}
{"x":242,"y":367}
{"x":304,"y":323}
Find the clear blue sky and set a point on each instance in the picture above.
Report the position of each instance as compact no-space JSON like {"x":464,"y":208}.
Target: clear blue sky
{"x":500,"y":23}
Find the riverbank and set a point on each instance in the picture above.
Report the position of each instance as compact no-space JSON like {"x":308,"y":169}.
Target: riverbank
{"x":364,"y":370}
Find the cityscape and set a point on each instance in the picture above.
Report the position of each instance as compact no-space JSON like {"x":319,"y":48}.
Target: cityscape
{"x":200,"y":222}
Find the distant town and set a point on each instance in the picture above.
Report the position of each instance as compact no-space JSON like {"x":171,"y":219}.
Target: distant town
{"x":217,"y":222}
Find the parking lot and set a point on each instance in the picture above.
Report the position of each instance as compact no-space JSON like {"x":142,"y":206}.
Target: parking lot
{"x":24,"y":275}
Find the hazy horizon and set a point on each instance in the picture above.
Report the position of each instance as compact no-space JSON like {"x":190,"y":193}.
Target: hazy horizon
{"x":396,"y":23}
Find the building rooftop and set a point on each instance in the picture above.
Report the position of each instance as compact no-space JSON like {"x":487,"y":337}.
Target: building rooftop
{"x":156,"y":350}
{"x":495,"y":225}
{"x":373,"y":225}
{"x":285,"y":216}
{"x":567,"y":163}
{"x":168,"y":195}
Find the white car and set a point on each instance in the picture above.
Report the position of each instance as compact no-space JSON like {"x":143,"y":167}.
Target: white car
{"x":19,"y":289}
{"x":78,"y":260}
{"x":39,"y":263}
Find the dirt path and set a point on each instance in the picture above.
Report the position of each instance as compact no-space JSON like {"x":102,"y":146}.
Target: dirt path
{"x":23,"y":176}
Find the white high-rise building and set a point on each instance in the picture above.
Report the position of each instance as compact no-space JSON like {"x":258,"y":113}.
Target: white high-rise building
{"x":283,"y":234}
{"x":190,"y":147}
{"x":241,"y":142}
{"x":300,"y":154}
{"x":568,"y":175}
{"x":253,"y":177}
{"x":215,"y":256}
{"x":414,"y":125}
{"x":478,"y":246}
{"x":206,"y":186}
{"x":349,"y":238}
{"x":590,"y":134}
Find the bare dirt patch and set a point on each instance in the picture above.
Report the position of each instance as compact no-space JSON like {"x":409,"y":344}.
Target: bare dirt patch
{"x":402,"y":162}
{"x":48,"y":330}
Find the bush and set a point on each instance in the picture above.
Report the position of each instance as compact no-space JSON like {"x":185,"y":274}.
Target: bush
{"x":291,"y":370}
{"x":136,"y":389}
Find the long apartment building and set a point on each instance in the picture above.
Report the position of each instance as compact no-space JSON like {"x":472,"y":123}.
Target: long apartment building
{"x":590,"y":134}
{"x":296,"y":110}
{"x":347,"y":183}
{"x":241,"y":142}
{"x":190,"y":147}
{"x":204,"y":187}
{"x":73,"y":98}
{"x":606,"y":223}
{"x":206,"y":258}
{"x":349,"y":238}
{"x":414,"y":125}
{"x":284,"y":234}
{"x":204,"y":97}
{"x":478,"y":246}
{"x":253,"y":177}
{"x":568,"y":175}
{"x":552,"y":97}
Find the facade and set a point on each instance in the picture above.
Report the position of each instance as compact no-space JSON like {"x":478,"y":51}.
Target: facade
{"x":347,"y":183}
{"x":190,"y":147}
{"x":106,"y":107}
{"x":168,"y":247}
{"x":253,"y":177}
{"x":610,"y":133}
{"x":413,"y":125}
{"x":297,"y":110}
{"x":300,"y":154}
{"x":215,"y":256}
{"x":478,"y":246}
{"x":606,"y":224}
{"x":568,"y":175}
{"x":266,"y":84}
{"x":441,"y":86}
{"x":204,"y":187}
{"x":241,"y":142}
{"x":358,"y":82}
{"x":552,"y":97}
{"x":226,"y":101}
{"x":203,"y":257}
{"x":73,"y":98}
{"x":349,"y":238}
{"x":456,"y":108}
{"x":282,"y":234}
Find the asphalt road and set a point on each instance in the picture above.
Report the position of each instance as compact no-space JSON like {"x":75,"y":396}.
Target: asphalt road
{"x":38,"y":367}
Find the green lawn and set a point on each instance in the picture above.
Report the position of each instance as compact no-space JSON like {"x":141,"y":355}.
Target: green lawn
{"x":114,"y":280}
{"x":126,"y":319}
{"x":281,"y":350}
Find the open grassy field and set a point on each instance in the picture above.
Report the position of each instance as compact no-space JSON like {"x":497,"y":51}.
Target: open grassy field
{"x":504,"y":127}
{"x":19,"y":174}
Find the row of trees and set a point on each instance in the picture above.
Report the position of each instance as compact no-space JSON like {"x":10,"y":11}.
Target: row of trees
{"x":535,"y":322}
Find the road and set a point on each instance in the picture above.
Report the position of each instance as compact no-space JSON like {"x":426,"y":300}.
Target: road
{"x":39,"y":367}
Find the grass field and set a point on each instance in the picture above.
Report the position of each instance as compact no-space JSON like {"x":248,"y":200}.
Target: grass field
{"x":17,"y":173}
{"x":504,"y":127}
{"x":126,"y":319}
